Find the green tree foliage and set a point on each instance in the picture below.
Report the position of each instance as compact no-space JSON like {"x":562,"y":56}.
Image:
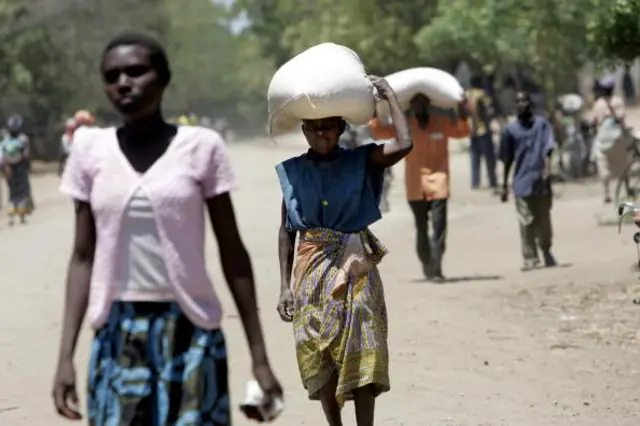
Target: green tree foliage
{"x":616,"y":31}
{"x":382,"y":32}
{"x":226,"y":74}
{"x":547,"y":38}
{"x":50,"y":49}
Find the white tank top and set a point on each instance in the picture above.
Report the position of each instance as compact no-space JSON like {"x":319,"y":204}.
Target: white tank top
{"x":142,"y":274}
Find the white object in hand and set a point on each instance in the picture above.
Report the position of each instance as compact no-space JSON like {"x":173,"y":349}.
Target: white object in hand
{"x":256,"y":398}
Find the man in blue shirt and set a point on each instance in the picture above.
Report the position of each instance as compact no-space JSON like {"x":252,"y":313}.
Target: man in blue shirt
{"x":527,"y":142}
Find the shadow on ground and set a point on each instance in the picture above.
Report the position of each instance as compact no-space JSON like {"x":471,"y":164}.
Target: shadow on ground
{"x":463,"y":279}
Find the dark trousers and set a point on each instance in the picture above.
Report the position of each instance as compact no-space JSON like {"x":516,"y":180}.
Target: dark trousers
{"x":534,"y":218}
{"x":430,"y":249}
{"x":482,"y":146}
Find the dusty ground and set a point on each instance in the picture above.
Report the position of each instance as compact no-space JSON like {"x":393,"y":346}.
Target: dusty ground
{"x":493,"y":347}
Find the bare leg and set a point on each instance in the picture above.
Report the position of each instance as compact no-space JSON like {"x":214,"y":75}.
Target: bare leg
{"x":631,"y":193}
{"x":12,"y":215}
{"x":365,"y":402}
{"x":329,"y":402}
{"x":607,"y":190}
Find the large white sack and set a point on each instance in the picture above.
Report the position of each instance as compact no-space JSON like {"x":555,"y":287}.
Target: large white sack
{"x":324,"y":81}
{"x":571,"y":103}
{"x":441,"y":87}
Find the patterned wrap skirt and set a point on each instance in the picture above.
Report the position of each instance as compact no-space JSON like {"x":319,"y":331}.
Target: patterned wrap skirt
{"x":151,"y":366}
{"x":342,"y":333}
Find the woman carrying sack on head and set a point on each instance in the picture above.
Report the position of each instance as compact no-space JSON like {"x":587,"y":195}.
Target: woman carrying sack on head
{"x":336,"y":300}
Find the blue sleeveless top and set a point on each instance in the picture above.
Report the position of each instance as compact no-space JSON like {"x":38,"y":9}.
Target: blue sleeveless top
{"x":340,"y":194}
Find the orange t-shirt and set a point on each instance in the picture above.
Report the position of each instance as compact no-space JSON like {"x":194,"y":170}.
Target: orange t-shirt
{"x":427,"y":165}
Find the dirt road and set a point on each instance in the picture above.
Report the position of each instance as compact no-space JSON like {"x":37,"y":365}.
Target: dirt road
{"x":492,"y":347}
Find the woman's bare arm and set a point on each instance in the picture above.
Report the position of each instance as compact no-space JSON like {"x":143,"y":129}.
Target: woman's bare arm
{"x":390,"y":153}
{"x":236,"y":266}
{"x":78,"y":279}
{"x":286,"y":247}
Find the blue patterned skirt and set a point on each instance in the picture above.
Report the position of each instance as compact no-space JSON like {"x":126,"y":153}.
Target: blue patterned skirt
{"x":150,"y":366}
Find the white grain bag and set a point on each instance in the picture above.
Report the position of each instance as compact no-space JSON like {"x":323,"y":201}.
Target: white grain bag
{"x":326,"y":80}
{"x":571,"y":103}
{"x":442,"y":88}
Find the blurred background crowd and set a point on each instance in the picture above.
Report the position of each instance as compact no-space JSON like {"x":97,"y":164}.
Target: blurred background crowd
{"x":225,"y":51}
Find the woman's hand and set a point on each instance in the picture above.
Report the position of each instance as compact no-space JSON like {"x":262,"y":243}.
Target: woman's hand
{"x":390,"y":153}
{"x":285,"y":305}
{"x":65,"y":395}
{"x":267,"y":381}
{"x":272,"y":392}
{"x":382,"y":86}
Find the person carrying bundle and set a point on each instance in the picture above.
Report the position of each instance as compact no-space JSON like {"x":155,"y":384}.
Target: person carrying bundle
{"x":427,"y":167}
{"x":330,"y":198}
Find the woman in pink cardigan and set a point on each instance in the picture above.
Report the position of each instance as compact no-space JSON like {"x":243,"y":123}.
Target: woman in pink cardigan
{"x":138,"y":265}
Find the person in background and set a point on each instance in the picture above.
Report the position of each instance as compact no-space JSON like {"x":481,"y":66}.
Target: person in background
{"x":610,"y":149}
{"x":481,"y":141}
{"x":628,"y":87}
{"x":141,"y":191}
{"x":427,"y":176}
{"x":527,"y":144}
{"x":336,"y":301}
{"x":349,"y":138}
{"x":15,"y":153}
{"x":83,"y":118}
{"x":24,"y":137}
{"x":65,"y":144}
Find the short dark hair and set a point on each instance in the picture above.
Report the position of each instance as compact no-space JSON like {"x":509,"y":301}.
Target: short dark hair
{"x":157,"y":54}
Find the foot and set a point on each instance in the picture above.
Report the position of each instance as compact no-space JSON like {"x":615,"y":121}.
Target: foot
{"x":432,"y":275}
{"x":607,"y":200}
{"x":549,"y":260}
{"x":437,"y":279}
{"x":529,"y":265}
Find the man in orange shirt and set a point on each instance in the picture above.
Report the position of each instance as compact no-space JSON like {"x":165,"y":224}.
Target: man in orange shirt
{"x":427,"y":175}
